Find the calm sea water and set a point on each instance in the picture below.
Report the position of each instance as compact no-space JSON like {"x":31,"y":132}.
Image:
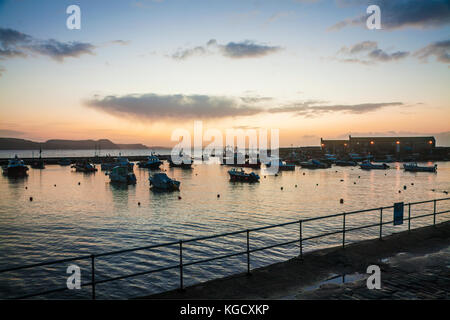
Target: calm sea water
{"x":70,"y":219}
{"x":79,"y":153}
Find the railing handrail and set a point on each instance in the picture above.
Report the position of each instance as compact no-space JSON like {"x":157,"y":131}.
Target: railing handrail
{"x":246,"y":252}
{"x":226,"y":234}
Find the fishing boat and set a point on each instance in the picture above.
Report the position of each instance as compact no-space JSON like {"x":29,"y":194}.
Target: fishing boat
{"x":282,"y":165}
{"x":152,"y":162}
{"x":161,"y":182}
{"x":38,"y":163}
{"x":413,"y":167}
{"x":367,"y":165}
{"x":121,"y":175}
{"x":15,"y":168}
{"x":242,"y":176}
{"x":185,"y":163}
{"x":84,"y":166}
{"x":65,"y":162}
{"x":118,"y":162}
{"x":314,"y":164}
{"x":345,"y":163}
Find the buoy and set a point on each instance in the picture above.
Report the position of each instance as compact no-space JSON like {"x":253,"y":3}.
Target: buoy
{"x":31,"y":198}
{"x":276,"y":174}
{"x":281,"y":188}
{"x":179,"y":198}
{"x":341,"y":201}
{"x":26,"y":188}
{"x":55,"y":185}
{"x":342,"y":180}
{"x":404,"y":187}
{"x":359,"y":177}
{"x":303,"y":173}
{"x":296,"y":186}
{"x":264,"y":177}
{"x":354,"y":182}
{"x":412,"y":183}
{"x":399,"y":191}
{"x":79,"y":183}
{"x":317,"y":184}
{"x":139,"y":203}
{"x":218,"y":195}
{"x":446,"y":192}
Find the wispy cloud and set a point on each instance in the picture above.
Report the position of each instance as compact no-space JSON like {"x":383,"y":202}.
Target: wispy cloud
{"x":368,"y":53}
{"x":233,"y":50}
{"x":440,"y":50}
{"x":315,"y":108}
{"x":401,"y":14}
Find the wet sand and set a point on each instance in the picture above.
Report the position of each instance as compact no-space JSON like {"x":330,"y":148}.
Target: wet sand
{"x":414,"y":265}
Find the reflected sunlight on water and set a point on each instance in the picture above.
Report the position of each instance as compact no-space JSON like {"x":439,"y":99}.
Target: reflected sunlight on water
{"x":70,"y":219}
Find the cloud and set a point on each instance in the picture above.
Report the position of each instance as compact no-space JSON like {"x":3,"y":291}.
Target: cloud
{"x":399,"y":14}
{"x":17,"y":44}
{"x":234,"y":50}
{"x":154,"y":107}
{"x":368,"y":53}
{"x":279,"y":15}
{"x":440,"y":50}
{"x":177,"y":106}
{"x":315,"y":108}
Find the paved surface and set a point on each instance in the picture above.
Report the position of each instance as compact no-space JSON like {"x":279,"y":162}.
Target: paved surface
{"x":414,"y":265}
{"x":405,"y":276}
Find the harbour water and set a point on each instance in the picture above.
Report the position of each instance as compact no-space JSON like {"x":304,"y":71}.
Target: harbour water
{"x":76,"y":214}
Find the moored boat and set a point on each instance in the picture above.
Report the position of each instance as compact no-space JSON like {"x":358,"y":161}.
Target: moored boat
{"x":122,"y":175}
{"x":118,"y":162}
{"x":38,"y":163}
{"x":367,"y":165}
{"x":15,"y":168}
{"x":185,"y":162}
{"x":161,"y":182}
{"x":282,"y":165}
{"x":242,"y":176}
{"x":413,"y":167}
{"x":84,"y":167}
{"x":65,"y":162}
{"x":314,"y":164}
{"x":344,"y":163}
{"x":152,"y":162}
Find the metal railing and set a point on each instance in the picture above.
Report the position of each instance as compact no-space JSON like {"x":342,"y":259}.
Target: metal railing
{"x":248,"y":251}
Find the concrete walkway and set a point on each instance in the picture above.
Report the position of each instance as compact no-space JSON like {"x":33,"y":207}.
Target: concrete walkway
{"x":420,"y":271}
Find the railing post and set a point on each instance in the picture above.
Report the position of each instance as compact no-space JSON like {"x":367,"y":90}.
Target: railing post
{"x":93,"y":275}
{"x":301,"y":238}
{"x":181,"y":265}
{"x":434,"y":213}
{"x":248,"y":252}
{"x":409,"y":217}
{"x":381,"y":223}
{"x":343,"y":231}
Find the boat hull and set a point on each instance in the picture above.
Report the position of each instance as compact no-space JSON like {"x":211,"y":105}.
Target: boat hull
{"x":20,"y":171}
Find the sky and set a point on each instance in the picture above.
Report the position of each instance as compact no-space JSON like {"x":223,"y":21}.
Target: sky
{"x":137,"y":70}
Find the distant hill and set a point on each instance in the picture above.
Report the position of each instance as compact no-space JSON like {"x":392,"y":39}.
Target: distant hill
{"x":55,"y":144}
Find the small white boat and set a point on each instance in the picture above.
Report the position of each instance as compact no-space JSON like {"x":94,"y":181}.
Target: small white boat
{"x":121,"y":174}
{"x":367,"y":165}
{"x":413,"y":167}
{"x":161,"y":182}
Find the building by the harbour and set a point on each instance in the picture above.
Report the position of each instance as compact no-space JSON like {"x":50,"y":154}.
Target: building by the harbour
{"x":380,"y":145}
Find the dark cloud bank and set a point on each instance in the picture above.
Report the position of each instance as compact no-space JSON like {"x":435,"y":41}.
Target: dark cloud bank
{"x":154,"y":107}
